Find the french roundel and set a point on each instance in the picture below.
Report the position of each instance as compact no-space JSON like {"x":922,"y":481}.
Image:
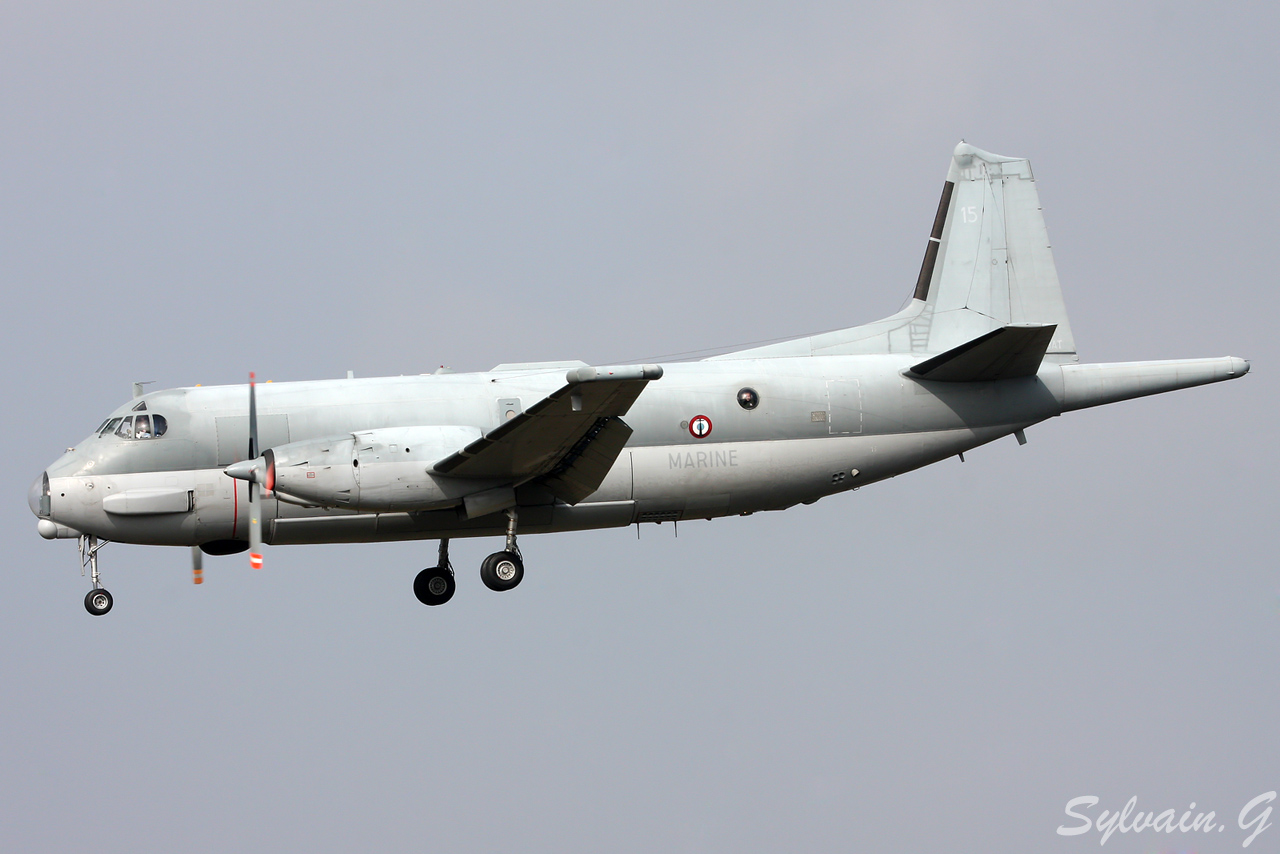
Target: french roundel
{"x":700,"y":426}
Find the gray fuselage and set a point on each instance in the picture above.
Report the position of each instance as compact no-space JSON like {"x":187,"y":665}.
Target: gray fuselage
{"x":822,"y":425}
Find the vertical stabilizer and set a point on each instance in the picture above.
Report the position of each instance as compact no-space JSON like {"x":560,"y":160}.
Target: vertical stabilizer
{"x":987,"y":265}
{"x":994,"y":265}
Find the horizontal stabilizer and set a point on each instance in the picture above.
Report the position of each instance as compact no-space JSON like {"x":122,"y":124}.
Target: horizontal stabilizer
{"x":1001,"y":354}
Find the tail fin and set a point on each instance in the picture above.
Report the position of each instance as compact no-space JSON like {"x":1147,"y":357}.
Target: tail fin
{"x":988,"y":265}
{"x":994,"y":266}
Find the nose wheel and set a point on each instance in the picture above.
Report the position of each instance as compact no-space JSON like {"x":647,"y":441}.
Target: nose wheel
{"x":98,"y":602}
{"x":435,"y":585}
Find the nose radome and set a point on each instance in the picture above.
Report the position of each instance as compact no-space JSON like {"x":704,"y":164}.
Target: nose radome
{"x":35,"y":494}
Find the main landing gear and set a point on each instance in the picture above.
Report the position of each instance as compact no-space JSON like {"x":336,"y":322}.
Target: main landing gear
{"x":435,"y":584}
{"x":97,"y":601}
{"x":505,"y":569}
{"x":500,"y":571}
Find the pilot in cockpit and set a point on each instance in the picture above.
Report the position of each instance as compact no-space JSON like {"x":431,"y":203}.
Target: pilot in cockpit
{"x":142,"y":427}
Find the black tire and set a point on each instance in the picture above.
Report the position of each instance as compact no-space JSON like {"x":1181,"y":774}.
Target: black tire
{"x":502,"y":571}
{"x":98,"y":602}
{"x":434,"y":585}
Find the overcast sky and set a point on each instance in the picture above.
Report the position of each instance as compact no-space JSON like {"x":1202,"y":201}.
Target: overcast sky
{"x":941,"y":662}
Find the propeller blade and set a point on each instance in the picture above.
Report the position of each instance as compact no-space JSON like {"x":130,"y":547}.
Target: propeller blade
{"x":253,"y":420}
{"x":255,"y":526}
{"x":197,"y":565}
{"x":255,"y":498}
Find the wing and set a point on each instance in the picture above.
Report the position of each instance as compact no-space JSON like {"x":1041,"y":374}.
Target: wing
{"x":571,"y":437}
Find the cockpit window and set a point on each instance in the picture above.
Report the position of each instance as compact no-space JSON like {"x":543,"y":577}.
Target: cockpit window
{"x":141,"y":407}
{"x":151,"y":426}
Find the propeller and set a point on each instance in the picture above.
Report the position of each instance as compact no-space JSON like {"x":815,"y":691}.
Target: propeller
{"x":260,"y":472}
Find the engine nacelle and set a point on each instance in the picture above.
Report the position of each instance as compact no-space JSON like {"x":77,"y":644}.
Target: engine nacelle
{"x":374,"y":470}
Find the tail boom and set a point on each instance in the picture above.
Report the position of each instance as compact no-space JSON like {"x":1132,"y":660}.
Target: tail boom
{"x":1084,"y":386}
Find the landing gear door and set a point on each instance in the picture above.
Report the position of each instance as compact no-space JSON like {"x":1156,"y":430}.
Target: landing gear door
{"x":844,"y":407}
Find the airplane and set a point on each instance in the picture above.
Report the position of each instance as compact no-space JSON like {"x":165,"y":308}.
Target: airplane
{"x":982,"y":350}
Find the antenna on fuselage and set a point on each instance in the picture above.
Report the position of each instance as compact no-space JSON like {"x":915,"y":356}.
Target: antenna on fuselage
{"x":138,"y":388}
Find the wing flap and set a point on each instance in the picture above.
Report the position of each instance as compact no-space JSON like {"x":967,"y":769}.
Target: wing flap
{"x":584,"y":468}
{"x":1005,"y":353}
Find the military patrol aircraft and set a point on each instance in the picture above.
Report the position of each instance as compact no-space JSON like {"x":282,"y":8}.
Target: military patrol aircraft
{"x":982,"y":350}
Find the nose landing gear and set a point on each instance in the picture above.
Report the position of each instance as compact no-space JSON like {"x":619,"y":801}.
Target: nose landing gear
{"x":97,"y":601}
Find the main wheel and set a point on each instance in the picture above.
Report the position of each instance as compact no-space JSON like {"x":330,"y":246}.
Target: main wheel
{"x":502,"y":570}
{"x":98,"y":601}
{"x":434,"y":585}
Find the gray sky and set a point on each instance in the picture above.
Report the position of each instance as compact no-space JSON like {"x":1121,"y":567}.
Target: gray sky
{"x":938,"y":662}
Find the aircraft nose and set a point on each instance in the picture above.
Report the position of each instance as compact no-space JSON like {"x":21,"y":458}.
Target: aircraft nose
{"x":35,"y":495}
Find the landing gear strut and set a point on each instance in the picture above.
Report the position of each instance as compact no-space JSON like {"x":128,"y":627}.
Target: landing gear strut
{"x":504,"y":570}
{"x":97,"y":601}
{"x":435,"y":584}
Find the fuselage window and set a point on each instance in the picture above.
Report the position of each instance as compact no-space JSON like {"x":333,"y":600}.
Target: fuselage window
{"x":108,"y":426}
{"x":125,"y":430}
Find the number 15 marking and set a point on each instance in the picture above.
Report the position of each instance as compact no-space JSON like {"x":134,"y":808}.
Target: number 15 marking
{"x":969,"y":213}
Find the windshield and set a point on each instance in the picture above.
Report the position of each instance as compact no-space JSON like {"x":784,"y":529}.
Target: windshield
{"x":151,"y":426}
